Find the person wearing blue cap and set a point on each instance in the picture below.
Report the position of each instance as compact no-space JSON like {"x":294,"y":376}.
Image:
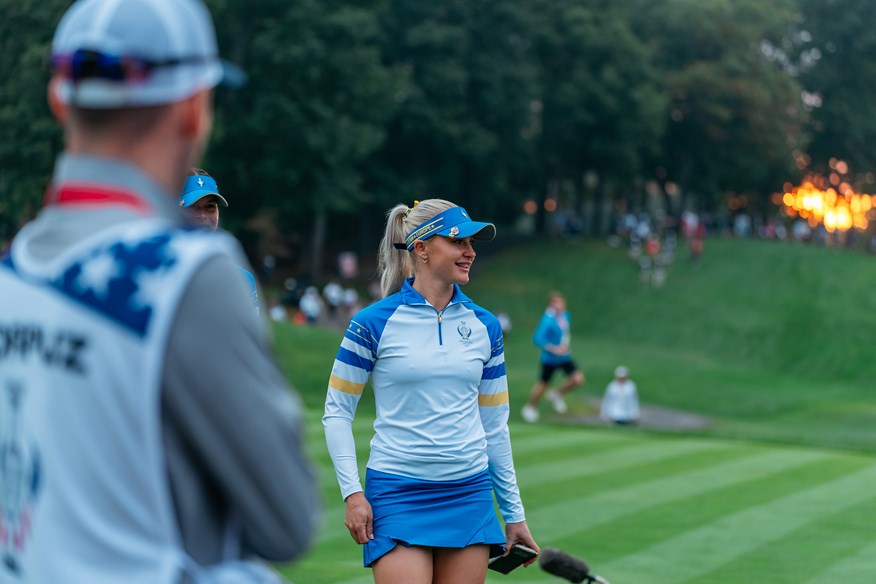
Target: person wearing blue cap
{"x":201,"y":200}
{"x":441,"y":446}
{"x":146,"y":432}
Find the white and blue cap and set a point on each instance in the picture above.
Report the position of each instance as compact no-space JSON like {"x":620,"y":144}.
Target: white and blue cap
{"x":197,"y":187}
{"x":454,"y":223}
{"x":113,"y":54}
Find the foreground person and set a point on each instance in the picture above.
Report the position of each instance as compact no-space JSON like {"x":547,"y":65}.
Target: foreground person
{"x":146,"y":434}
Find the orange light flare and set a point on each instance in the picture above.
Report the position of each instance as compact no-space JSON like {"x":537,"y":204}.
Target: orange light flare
{"x":838,"y":207}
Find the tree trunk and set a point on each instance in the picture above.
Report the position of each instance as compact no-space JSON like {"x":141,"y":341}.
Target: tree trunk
{"x":318,"y":243}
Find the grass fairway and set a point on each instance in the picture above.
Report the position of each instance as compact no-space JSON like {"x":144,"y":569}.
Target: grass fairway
{"x":771,"y":341}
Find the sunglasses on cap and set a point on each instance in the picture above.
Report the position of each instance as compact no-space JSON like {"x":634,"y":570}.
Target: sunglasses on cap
{"x":87,"y":64}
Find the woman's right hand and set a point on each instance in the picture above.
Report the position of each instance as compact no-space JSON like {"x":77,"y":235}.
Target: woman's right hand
{"x":359,"y":518}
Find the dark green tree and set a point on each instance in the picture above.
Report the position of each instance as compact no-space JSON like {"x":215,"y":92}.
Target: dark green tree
{"x":458,"y":133}
{"x":499,"y":165}
{"x":836,"y":56}
{"x":601,"y":107}
{"x":31,"y":138}
{"x":318,"y":97}
{"x":421,"y":157}
{"x":507,"y":97}
{"x":736,"y":114}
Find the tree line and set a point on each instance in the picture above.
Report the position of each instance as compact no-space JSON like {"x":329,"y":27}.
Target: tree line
{"x":353,"y":106}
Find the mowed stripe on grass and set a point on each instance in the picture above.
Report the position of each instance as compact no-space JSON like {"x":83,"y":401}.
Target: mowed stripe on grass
{"x":565,"y":516}
{"x":777,"y":515}
{"x":856,"y":567}
{"x":605,"y":453}
{"x":665,"y":509}
{"x":715,"y":548}
{"x":809,"y":550}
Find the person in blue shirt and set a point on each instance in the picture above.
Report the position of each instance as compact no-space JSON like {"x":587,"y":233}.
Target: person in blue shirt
{"x":553,"y":337}
{"x":201,"y":200}
{"x":441,"y":447}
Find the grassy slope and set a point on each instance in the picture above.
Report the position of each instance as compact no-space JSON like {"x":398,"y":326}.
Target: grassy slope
{"x":770,"y":340}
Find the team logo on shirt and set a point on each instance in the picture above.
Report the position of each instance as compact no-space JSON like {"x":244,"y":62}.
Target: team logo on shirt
{"x":464,"y":333}
{"x":19,"y":480}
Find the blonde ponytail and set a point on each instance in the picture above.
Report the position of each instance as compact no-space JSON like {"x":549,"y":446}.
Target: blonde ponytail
{"x":395,"y":265}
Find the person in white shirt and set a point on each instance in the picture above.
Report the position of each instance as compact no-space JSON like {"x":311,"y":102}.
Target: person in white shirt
{"x":334,"y":298}
{"x":311,"y":304}
{"x":620,"y":404}
{"x":441,"y":446}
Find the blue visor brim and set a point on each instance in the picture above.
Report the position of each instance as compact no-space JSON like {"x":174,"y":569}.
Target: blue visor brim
{"x":476,"y":229}
{"x":233,"y":76}
{"x":192,"y":197}
{"x":454,"y":223}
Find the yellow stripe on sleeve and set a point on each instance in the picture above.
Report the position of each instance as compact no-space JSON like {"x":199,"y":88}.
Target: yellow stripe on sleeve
{"x":493,"y":399}
{"x":341,"y":384}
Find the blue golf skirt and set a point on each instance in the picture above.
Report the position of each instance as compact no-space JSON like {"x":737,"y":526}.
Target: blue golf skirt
{"x":450,"y":514}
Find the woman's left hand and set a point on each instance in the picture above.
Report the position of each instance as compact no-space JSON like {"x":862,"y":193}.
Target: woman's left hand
{"x":519,"y":533}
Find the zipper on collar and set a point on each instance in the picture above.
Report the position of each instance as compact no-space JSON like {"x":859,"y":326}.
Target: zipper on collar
{"x":440,"y":337}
